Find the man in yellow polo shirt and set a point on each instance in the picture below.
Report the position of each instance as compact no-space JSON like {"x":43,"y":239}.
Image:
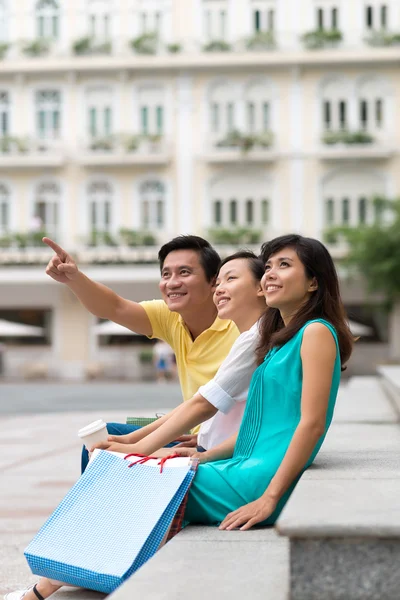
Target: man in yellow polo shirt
{"x":186,"y":317}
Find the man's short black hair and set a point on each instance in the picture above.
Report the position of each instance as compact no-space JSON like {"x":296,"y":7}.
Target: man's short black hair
{"x":209,"y":258}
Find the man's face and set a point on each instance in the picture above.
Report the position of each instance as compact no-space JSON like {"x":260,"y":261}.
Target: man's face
{"x":183,"y":283}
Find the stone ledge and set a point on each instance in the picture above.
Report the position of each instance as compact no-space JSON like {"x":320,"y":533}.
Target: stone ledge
{"x":390,"y":381}
{"x":203,"y":562}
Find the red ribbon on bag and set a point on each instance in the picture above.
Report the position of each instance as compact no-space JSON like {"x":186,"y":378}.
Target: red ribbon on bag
{"x":145,"y":458}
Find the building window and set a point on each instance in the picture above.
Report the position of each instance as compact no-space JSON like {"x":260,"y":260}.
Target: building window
{"x":48,"y":114}
{"x":249,"y":212}
{"x":99,"y":107}
{"x":233,"y":212}
{"x":343,"y":114}
{"x":362,"y":211}
{"x":215,"y":19}
{"x":364,"y":114}
{"x":152,"y":202}
{"x":264,"y":212}
{"x":4,"y":209}
{"x":258,"y":108}
{"x":151,"y":111}
{"x":4,"y":114}
{"x":345,"y":211}
{"x":330,"y":212}
{"x":327,"y":17}
{"x":100,"y":195}
{"x":150,"y":21}
{"x":217,"y":212}
{"x":222,"y":110}
{"x":46,"y":208}
{"x":379,"y":112}
{"x":99,"y":19}
{"x":376,"y":16}
{"x":47,"y":19}
{"x":371,"y":108}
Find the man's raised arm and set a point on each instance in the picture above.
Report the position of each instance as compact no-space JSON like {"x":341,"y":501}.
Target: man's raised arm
{"x":97,"y":298}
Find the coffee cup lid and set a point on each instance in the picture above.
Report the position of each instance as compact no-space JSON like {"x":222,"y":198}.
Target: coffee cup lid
{"x":91,"y":428}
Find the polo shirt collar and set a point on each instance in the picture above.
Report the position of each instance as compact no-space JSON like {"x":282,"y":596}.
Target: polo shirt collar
{"x":218,"y":325}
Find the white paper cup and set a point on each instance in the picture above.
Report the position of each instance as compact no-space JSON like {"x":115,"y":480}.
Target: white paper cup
{"x":93,"y":433}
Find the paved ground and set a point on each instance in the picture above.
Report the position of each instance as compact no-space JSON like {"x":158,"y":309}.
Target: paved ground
{"x":66,"y":397}
{"x":39,"y":462}
{"x":39,"y":453}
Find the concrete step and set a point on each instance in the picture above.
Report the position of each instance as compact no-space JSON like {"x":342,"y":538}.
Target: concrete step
{"x":203,"y":562}
{"x":390,"y":381}
{"x":363,"y":400}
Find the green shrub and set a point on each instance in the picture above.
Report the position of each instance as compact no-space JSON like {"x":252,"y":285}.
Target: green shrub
{"x":263,"y":40}
{"x":145,"y":44}
{"x":105,"y":144}
{"x":234,"y":236}
{"x":217,"y":46}
{"x":347,"y":137}
{"x":86,"y":46}
{"x":146,"y":356}
{"x":174,"y":48}
{"x":101,"y":238}
{"x":246,"y":142}
{"x":133,"y":238}
{"x":39,"y":47}
{"x":321,"y":38}
{"x":382,"y":39}
{"x":3,"y":50}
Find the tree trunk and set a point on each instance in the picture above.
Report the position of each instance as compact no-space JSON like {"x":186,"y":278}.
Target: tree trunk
{"x":394,"y":333}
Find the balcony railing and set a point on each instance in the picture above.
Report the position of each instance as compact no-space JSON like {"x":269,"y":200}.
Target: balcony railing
{"x":125,"y":149}
{"x":150,"y":44}
{"x":18,"y":152}
{"x":239,"y":146}
{"x":341,"y":144}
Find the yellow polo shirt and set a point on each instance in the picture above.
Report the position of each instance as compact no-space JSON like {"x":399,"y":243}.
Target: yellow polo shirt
{"x":197,"y":360}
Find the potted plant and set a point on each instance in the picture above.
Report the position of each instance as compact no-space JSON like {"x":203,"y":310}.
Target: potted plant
{"x":82,"y":46}
{"x":331,"y":138}
{"x":322,"y":38}
{"x":145,"y":44}
{"x":132,"y":143}
{"x":104,"y":144}
{"x":174,"y":48}
{"x":262,"y":40}
{"x":3,"y":50}
{"x":217,"y":46}
{"x":39,"y":47}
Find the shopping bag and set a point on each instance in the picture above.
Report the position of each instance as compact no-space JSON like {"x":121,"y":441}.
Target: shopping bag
{"x":111,"y":522}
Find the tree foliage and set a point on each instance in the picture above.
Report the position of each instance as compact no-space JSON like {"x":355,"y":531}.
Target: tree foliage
{"x":374,"y":250}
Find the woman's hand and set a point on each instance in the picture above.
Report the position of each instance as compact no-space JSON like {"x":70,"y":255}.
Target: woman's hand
{"x":250,"y":514}
{"x":187,"y":441}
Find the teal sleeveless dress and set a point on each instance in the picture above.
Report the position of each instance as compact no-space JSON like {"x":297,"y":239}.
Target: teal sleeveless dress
{"x":271,"y":416}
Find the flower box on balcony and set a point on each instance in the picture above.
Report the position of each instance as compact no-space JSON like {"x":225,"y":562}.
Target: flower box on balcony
{"x":88,"y":46}
{"x":331,"y":138}
{"x":3,"y":50}
{"x":261,"y":41}
{"x":39,"y":47}
{"x":246,"y":142}
{"x":145,"y":44}
{"x":174,"y":48}
{"x":382,"y":38}
{"x":240,"y":235}
{"x":322,"y":38}
{"x":217,"y":46}
{"x":133,"y":238}
{"x":9,"y":144}
{"x":106,"y":144}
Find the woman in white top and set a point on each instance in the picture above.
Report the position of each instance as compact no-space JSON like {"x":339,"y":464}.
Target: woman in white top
{"x":218,"y":405}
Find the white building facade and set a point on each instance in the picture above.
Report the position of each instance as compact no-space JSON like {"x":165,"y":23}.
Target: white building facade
{"x":126,"y":122}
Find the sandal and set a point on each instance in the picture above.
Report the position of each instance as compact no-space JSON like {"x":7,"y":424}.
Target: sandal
{"x":20,"y":594}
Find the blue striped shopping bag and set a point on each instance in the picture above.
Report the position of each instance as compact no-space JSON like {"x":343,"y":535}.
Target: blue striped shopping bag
{"x":111,"y":522}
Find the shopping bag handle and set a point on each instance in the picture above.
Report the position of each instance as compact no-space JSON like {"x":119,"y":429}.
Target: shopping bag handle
{"x":144,"y":458}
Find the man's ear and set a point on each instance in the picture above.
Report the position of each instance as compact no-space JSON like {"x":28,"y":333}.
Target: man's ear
{"x":214,"y":283}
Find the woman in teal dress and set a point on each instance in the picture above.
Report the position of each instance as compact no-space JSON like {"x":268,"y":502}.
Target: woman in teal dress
{"x":305,"y":343}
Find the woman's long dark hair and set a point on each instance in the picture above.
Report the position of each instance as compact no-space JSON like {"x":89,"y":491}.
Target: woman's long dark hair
{"x":324,"y":303}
